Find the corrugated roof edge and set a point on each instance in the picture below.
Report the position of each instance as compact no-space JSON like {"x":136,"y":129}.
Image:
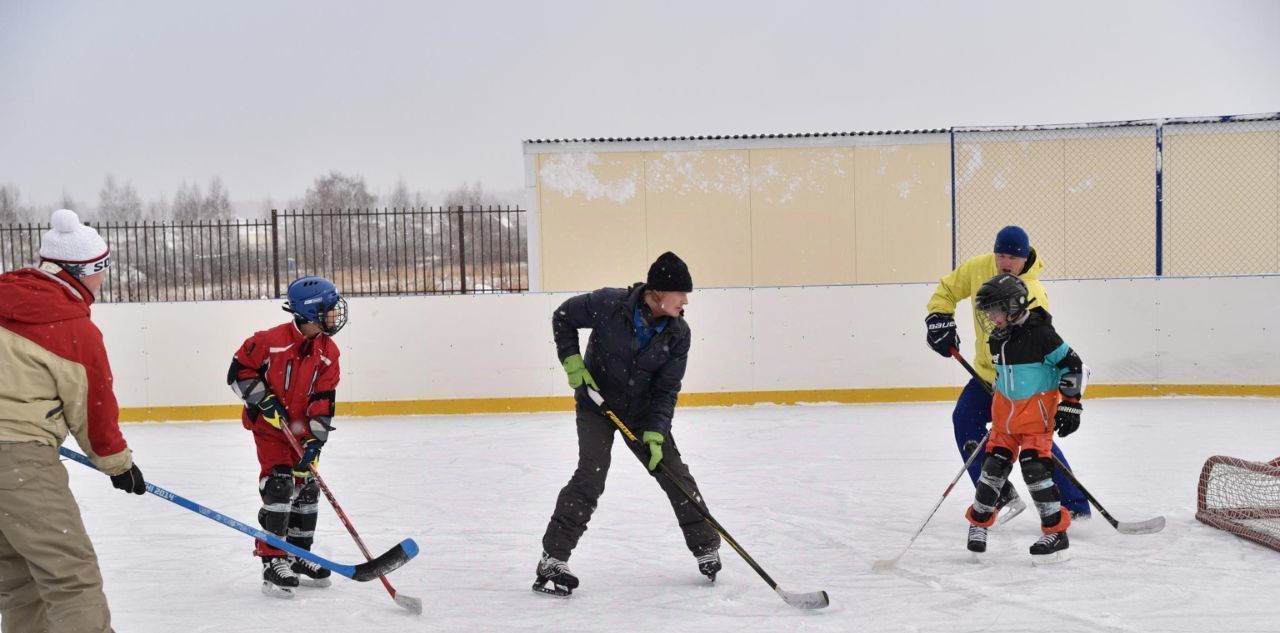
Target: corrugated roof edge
{"x":642,"y":139}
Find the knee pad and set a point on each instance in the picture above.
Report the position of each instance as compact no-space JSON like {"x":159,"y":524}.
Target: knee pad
{"x":1038,"y":473}
{"x":303,"y":515}
{"x":277,"y":491}
{"x":1035,"y":470}
{"x":995,"y":472}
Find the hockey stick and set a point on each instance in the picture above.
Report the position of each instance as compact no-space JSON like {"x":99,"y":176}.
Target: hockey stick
{"x":408,"y":602}
{"x":1149,"y":526}
{"x":812,"y":600}
{"x":890,"y":563}
{"x":388,"y":562}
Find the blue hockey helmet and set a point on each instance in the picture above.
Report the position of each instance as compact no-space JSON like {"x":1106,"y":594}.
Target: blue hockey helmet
{"x":316,"y":300}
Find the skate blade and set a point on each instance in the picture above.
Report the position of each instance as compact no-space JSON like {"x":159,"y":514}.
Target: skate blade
{"x":320,"y":583}
{"x":1011,"y":510}
{"x":558,"y":591}
{"x":276,"y":591}
{"x":1051,"y":559}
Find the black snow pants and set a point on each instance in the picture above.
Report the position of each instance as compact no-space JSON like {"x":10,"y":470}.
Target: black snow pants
{"x":578,"y":498}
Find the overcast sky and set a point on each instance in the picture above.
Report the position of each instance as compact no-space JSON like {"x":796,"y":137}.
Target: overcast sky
{"x":268,"y":95}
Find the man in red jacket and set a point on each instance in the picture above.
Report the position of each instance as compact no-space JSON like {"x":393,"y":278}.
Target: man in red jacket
{"x":54,"y":380}
{"x":288,"y":375}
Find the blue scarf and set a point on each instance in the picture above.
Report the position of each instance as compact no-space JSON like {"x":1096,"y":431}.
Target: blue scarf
{"x":645,"y":332}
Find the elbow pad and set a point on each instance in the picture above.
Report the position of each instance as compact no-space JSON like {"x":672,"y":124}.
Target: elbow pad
{"x":251,"y":390}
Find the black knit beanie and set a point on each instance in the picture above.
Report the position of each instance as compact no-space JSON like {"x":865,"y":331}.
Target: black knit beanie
{"x":669,"y":272}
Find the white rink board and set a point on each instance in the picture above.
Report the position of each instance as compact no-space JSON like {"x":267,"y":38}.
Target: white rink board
{"x":1205,"y":331}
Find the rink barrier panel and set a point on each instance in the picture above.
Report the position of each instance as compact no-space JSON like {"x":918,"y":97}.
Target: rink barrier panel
{"x":746,"y":398}
{"x":864,"y":343}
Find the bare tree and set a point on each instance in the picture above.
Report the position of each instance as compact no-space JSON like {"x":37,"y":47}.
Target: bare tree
{"x":67,"y":202}
{"x":118,"y":203}
{"x":9,"y":204}
{"x":466,"y":196}
{"x":339,"y":191}
{"x":187,"y":203}
{"x":399,"y":198}
{"x":217,"y":205}
{"x":158,"y":209}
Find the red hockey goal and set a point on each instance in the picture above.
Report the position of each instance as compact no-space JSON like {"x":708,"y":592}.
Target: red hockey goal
{"x":1241,"y":497}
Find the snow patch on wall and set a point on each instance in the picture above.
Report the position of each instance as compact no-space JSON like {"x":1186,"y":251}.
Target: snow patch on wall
{"x":683,"y":172}
{"x":572,"y":174}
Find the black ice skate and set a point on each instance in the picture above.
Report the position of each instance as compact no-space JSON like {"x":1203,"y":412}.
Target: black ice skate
{"x":709,"y":564}
{"x":977,"y":539}
{"x":554,"y":571}
{"x":1051,"y":548}
{"x":278,"y":579}
{"x":311,"y":574}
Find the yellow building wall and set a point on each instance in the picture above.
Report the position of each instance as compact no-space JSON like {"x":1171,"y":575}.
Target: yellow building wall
{"x":1012,"y":182}
{"x":593,"y":220}
{"x":877,"y":212}
{"x":1221,"y":203}
{"x":1110,"y":209}
{"x":758,"y":217}
{"x":903,"y":213}
{"x":698,"y":206}
{"x":802,"y":216}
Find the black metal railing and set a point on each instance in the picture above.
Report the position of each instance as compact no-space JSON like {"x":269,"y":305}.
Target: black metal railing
{"x":365,"y":252}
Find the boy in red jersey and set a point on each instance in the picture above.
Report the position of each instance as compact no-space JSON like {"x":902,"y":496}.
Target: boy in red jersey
{"x":288,"y":375}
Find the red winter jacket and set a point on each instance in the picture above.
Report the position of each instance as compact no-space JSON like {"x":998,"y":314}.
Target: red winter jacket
{"x":301,"y":372}
{"x":54,"y":374}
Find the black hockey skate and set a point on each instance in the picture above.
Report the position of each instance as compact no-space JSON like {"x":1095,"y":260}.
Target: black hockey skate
{"x":310,"y":574}
{"x":1051,"y":548}
{"x":278,"y":579}
{"x":977,"y":539}
{"x":554,"y":571}
{"x":709,"y":564}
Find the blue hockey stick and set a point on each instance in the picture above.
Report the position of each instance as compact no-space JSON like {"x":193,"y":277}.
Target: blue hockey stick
{"x":388,"y":562}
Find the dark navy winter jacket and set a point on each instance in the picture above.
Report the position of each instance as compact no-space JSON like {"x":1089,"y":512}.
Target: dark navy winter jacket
{"x":639,"y":384}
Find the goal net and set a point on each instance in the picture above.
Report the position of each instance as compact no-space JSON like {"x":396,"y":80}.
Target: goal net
{"x":1241,"y":497}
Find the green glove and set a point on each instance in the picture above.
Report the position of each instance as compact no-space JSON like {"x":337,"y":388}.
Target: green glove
{"x":654,"y":441}
{"x":577,"y":371}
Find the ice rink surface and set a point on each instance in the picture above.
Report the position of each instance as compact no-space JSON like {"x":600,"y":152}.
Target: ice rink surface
{"x":815,"y":493}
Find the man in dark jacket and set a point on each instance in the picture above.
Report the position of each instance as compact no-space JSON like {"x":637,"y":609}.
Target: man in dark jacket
{"x":635,"y":358}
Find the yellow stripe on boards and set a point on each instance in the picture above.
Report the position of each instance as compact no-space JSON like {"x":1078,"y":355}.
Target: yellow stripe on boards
{"x":718,"y":399}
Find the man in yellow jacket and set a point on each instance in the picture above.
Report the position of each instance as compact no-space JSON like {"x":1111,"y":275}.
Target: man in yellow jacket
{"x":1012,"y":255}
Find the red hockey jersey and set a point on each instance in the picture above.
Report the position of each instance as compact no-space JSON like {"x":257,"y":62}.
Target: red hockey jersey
{"x":301,"y":372}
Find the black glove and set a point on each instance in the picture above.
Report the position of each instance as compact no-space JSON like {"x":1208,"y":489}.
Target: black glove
{"x":130,"y":481}
{"x":1068,"y":418}
{"x":941,"y":335}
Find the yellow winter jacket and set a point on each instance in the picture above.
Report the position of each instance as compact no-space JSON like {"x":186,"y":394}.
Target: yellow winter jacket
{"x":965,"y":280}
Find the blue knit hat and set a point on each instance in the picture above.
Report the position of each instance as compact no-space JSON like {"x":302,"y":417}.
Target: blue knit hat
{"x":1012,"y":240}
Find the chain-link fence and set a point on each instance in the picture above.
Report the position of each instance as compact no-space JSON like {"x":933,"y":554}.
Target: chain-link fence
{"x":370,"y":252}
{"x":1125,"y":199}
{"x":1221,"y":197}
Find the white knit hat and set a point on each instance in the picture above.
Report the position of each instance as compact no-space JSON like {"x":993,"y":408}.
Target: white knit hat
{"x":76,"y":247}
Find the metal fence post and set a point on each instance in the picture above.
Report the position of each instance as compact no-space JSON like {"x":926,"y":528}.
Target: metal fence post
{"x":275,"y":252}
{"x":462,"y":250}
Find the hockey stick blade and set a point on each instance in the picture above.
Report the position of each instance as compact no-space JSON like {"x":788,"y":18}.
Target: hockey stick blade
{"x":812,"y":600}
{"x":1150,"y":526}
{"x":886,"y":564}
{"x":389,"y":561}
{"x":414,"y":605}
